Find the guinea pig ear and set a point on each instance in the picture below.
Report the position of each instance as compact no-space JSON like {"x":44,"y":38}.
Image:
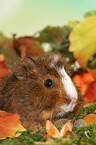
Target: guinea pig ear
{"x":22,"y":71}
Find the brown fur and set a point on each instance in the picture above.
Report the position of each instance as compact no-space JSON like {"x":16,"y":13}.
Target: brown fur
{"x":23,"y":91}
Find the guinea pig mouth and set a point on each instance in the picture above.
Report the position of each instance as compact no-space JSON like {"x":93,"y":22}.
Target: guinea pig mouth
{"x":64,"y":110}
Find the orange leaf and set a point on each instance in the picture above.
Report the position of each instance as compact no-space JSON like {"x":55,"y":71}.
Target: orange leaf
{"x":92,"y":72}
{"x":83,"y":80}
{"x":90,"y":94}
{"x":52,"y":130}
{"x":91,"y":118}
{"x":66,"y":127}
{"x":9,"y":124}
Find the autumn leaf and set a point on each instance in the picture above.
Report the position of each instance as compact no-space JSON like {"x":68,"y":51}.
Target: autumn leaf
{"x":51,"y":129}
{"x":90,"y":94}
{"x":92,"y":72}
{"x":83,"y":80}
{"x":83,"y":40}
{"x":2,"y":63}
{"x":53,"y":132}
{"x":3,"y":67}
{"x":9,"y":124}
{"x":25,"y":46}
{"x":87,"y":85}
{"x":89,"y":119}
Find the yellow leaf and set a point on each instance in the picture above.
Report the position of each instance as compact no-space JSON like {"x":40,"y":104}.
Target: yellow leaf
{"x":83,"y":40}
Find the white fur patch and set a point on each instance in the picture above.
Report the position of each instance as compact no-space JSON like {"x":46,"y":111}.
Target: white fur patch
{"x":56,"y":57}
{"x":64,"y":110}
{"x":70,"y":90}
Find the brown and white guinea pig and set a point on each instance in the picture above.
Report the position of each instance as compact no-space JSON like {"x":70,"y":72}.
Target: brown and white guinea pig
{"x":38,"y":87}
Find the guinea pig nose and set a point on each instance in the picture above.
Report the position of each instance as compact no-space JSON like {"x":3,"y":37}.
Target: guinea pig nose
{"x":72,"y":104}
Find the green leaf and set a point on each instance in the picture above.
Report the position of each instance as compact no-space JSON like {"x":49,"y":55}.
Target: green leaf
{"x":91,"y":13}
{"x":54,"y":34}
{"x":57,"y":37}
{"x":83,"y":40}
{"x":92,"y":63}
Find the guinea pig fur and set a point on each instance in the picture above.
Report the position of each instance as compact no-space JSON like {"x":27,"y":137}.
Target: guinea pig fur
{"x":38,"y":88}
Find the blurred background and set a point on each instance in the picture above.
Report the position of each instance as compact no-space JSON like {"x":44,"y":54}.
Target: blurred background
{"x":26,"y":17}
{"x":68,"y":27}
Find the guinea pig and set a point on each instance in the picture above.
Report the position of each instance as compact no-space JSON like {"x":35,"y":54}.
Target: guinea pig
{"x":38,"y":87}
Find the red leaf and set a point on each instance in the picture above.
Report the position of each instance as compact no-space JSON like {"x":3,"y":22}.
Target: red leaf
{"x":90,"y":94}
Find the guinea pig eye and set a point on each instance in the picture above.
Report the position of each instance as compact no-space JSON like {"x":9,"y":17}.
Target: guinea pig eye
{"x":48,"y":83}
